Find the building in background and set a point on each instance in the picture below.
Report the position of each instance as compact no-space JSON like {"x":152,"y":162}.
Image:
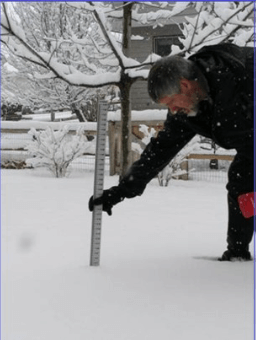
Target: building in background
{"x":147,"y":39}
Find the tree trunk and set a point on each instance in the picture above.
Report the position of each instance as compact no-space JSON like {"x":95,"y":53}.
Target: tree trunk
{"x":125,"y":126}
{"x":125,"y":88}
{"x":127,"y":28}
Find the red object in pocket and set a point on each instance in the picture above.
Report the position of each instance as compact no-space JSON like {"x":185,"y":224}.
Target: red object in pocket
{"x":246,"y":204}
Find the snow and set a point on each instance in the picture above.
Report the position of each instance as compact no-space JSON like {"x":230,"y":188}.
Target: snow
{"x":158,"y":277}
{"x":137,"y":37}
{"x":29,"y":124}
{"x":9,"y":68}
{"x":137,"y":73}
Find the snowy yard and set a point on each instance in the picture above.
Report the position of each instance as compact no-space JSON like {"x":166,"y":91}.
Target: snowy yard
{"x":158,"y":279}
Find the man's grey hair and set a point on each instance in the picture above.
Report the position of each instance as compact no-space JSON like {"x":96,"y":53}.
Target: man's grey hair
{"x":165,"y":75}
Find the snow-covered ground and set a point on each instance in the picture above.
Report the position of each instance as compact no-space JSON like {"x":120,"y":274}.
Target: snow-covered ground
{"x":158,"y":278}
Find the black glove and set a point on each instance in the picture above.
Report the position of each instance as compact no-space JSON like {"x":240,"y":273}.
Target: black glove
{"x":108,"y":199}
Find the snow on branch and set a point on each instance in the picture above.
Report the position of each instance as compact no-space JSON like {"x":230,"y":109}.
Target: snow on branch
{"x":15,"y":38}
{"x":174,"y":168}
{"x":217,"y":22}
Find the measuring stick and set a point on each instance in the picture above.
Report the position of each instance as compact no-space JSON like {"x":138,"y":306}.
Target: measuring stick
{"x":98,"y":182}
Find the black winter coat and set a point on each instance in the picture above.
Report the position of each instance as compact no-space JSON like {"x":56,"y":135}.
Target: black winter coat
{"x":227,"y":118}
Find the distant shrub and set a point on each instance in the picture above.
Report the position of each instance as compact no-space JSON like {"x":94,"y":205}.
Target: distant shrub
{"x":55,"y":150}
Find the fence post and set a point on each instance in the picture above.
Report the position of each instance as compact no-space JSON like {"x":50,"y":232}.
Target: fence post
{"x":184,"y":166}
{"x":52,"y":116}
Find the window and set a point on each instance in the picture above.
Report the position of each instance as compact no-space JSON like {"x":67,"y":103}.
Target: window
{"x":162,"y":45}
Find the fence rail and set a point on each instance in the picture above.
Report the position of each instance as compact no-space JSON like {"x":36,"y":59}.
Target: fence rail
{"x":211,"y":156}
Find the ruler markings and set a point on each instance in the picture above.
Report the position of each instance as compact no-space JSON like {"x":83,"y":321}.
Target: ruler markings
{"x":98,"y":183}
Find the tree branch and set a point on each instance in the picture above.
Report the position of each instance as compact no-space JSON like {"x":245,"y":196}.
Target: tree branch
{"x":217,"y":29}
{"x":238,"y":27}
{"x":103,"y":29}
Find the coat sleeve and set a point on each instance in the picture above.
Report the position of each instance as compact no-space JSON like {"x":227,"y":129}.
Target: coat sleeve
{"x":157,"y":154}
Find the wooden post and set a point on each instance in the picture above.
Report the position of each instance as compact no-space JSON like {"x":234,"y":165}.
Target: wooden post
{"x":52,"y":116}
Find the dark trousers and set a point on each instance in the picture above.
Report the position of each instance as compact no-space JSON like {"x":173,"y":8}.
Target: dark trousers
{"x":240,"y":181}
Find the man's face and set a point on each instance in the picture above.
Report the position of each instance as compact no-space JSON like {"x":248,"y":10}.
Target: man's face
{"x":179,"y":103}
{"x":184,"y":102}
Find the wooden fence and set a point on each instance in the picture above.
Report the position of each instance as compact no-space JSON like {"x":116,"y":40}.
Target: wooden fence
{"x":114,"y":132}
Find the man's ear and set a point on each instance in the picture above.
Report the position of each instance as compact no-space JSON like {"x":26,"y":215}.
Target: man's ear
{"x":185,"y":86}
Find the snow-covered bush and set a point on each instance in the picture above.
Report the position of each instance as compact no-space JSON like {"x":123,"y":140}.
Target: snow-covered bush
{"x":173,"y":169}
{"x":148,"y":133}
{"x":55,"y":150}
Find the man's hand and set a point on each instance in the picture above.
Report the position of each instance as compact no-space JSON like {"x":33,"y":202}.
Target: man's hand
{"x":108,"y":199}
{"x":102,"y":200}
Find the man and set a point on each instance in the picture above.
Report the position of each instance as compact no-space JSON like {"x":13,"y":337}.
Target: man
{"x":211,"y":94}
